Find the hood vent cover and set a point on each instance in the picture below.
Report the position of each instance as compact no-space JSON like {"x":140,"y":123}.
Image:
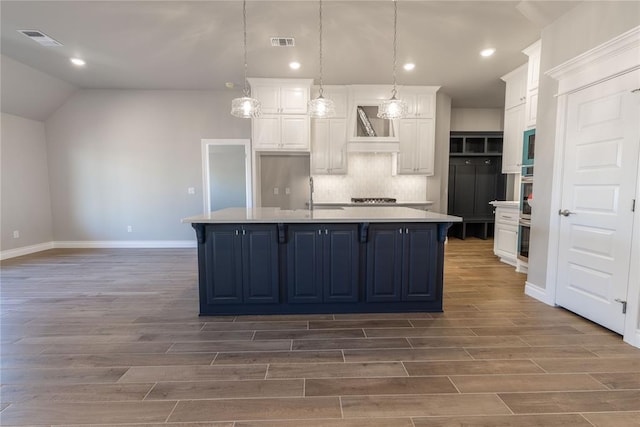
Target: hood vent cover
{"x":283,"y":42}
{"x":40,"y":37}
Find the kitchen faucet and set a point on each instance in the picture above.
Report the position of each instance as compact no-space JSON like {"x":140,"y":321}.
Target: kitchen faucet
{"x":310,"y":192}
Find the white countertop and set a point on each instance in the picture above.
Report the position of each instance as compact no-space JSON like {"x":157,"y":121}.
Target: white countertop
{"x":397,"y":203}
{"x":505,"y":203}
{"x":338,"y":215}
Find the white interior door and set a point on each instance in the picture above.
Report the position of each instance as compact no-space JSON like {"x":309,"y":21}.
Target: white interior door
{"x":602,"y":139}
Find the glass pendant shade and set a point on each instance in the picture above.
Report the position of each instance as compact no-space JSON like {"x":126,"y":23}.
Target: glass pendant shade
{"x":246,"y":107}
{"x":321,"y":108}
{"x":392,"y":109}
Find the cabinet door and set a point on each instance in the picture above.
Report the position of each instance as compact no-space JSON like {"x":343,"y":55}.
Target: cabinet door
{"x":294,"y":132}
{"x":337,"y":146}
{"x":425,"y":105}
{"x":485,"y":190}
{"x":304,"y":264}
{"x":266,"y":132}
{"x":408,"y":140}
{"x":532,"y":109}
{"x":462,"y":184}
{"x":512,"y":142}
{"x":384,"y":263}
{"x":419,"y":263}
{"x":425,"y":146}
{"x":294,"y":99}
{"x":223,"y":255}
{"x":505,"y":244}
{"x":260,"y":264}
{"x":269,"y":97}
{"x":516,"y":88}
{"x":320,"y":151}
{"x":341,"y":260}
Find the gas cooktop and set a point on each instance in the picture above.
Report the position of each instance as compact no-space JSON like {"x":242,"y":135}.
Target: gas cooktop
{"x":373,"y":200}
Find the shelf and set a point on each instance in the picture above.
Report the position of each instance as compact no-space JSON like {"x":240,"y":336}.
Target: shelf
{"x":475,"y":155}
{"x":475,"y":144}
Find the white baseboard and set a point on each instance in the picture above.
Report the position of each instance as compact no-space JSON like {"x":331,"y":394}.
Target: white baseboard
{"x":106,"y":244}
{"x":150,"y":244}
{"x":25,"y":250}
{"x":538,"y":293}
{"x":509,"y":261}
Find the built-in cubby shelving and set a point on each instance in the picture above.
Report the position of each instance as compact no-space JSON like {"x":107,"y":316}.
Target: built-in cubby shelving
{"x":464,"y":144}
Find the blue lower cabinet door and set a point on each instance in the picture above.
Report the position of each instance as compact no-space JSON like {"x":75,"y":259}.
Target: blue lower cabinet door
{"x":419,"y":256}
{"x":384,"y":263}
{"x":260,"y":264}
{"x":223,"y":255}
{"x":304,"y":264}
{"x":340,"y":257}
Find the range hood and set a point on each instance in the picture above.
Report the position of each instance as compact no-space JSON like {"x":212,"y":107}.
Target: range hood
{"x":370,"y":134}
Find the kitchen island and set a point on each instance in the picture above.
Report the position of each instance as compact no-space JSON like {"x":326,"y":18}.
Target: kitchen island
{"x":348,"y":260}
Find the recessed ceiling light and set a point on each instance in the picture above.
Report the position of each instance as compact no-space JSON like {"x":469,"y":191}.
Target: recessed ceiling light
{"x":487,"y":52}
{"x":294,"y":65}
{"x":409,"y":66}
{"x":79,"y":62}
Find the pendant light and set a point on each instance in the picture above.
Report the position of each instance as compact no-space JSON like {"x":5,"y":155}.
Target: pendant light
{"x":321,"y":107}
{"x":245,"y":107}
{"x":393,"y":108}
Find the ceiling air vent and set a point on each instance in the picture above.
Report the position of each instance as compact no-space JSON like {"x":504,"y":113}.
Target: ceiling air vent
{"x":40,"y":37}
{"x":282,"y":42}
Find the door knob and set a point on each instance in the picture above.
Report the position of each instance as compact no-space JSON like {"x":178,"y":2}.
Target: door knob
{"x":565,"y":212}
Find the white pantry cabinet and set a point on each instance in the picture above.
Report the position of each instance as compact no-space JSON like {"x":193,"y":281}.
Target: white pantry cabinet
{"x":514,"y":119}
{"x":281,"y":96}
{"x":329,"y":146}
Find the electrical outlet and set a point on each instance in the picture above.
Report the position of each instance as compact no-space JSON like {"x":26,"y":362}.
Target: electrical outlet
{"x":287,"y":190}
{"x":16,"y":234}
{"x":276,"y":190}
{"x":129,"y":229}
{"x":191,"y":190}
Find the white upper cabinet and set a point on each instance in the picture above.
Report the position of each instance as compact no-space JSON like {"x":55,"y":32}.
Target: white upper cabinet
{"x":281,"y":132}
{"x":417,"y":147}
{"x":533,"y":77}
{"x":329,"y":146}
{"x":421,"y":103}
{"x":281,"y":96}
{"x":338,"y":94}
{"x":516,"y":91}
{"x":284,"y":124}
{"x":514,"y":119}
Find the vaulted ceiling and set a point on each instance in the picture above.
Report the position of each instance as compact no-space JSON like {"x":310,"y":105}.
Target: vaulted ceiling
{"x":198,"y":45}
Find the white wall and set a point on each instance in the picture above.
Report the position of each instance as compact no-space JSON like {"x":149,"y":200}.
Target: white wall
{"x":30,"y":93}
{"x":477,"y":119}
{"x":126,"y":157}
{"x":584,"y":27}
{"x":26,"y":200}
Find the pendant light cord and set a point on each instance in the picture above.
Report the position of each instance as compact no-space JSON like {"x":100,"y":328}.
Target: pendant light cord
{"x":395,"y":44}
{"x":320,"y":32}
{"x":244,"y":30}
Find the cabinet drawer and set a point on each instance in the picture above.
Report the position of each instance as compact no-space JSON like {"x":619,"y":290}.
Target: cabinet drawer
{"x":506,"y":217}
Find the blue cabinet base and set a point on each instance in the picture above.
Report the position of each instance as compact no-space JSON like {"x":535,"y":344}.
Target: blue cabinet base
{"x":246,"y":269}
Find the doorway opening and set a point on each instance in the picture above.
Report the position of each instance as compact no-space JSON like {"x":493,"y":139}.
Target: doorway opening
{"x":226,"y":174}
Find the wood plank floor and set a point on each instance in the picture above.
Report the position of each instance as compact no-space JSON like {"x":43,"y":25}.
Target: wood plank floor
{"x":113,"y":337}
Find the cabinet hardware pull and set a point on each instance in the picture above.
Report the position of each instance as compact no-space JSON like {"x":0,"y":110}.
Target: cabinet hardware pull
{"x":244,"y":232}
{"x":467,"y":162}
{"x":400,"y":231}
{"x":319,"y":231}
{"x":326,"y":231}
{"x":406,"y":231}
{"x":237,"y":232}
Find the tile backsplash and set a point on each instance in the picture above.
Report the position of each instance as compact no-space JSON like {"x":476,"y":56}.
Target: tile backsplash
{"x":369,"y":175}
